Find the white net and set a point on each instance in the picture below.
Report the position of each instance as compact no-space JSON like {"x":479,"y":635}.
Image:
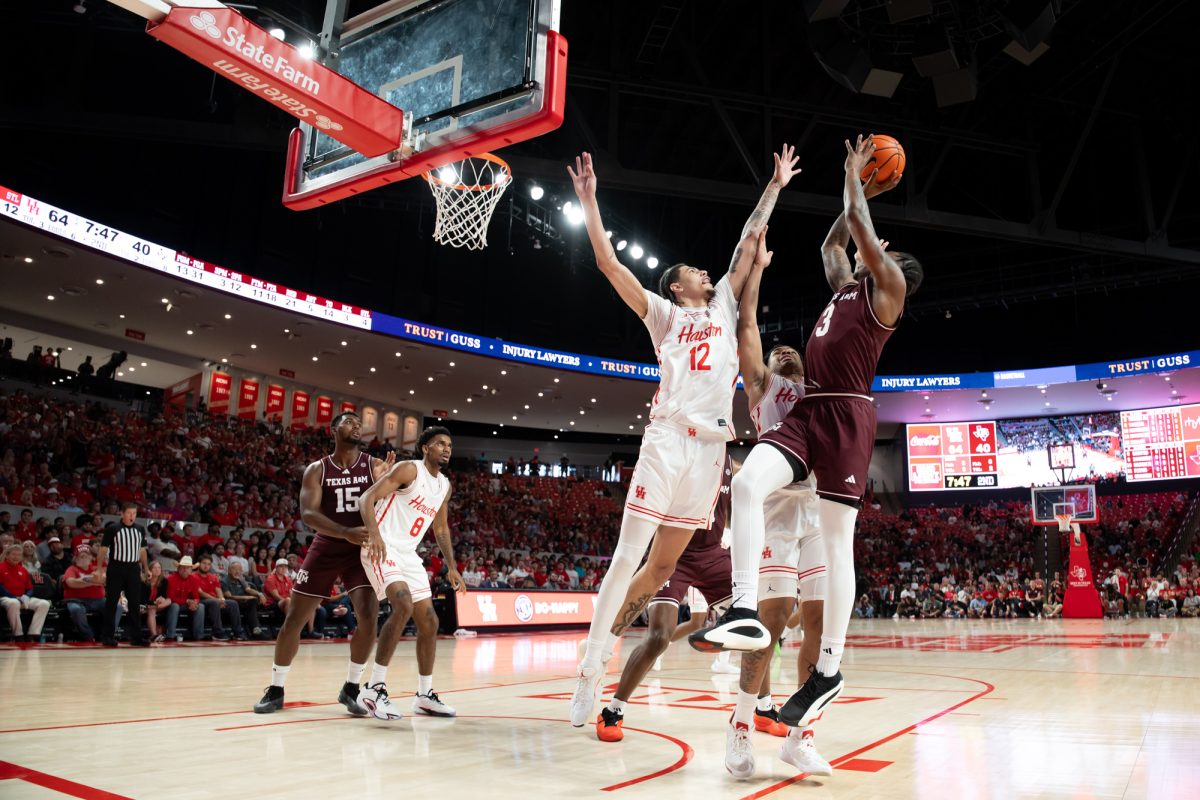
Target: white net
{"x":1065,"y":514}
{"x":466,"y":194}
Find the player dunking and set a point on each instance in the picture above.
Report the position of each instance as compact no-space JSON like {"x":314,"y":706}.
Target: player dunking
{"x":678,"y":474}
{"x":397,"y":511}
{"x":793,"y":560}
{"x":831,"y":431}
{"x":329,"y":497}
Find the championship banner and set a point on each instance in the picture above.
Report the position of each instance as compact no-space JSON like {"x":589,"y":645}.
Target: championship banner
{"x":275,"y":395}
{"x":247,"y":407}
{"x":482,"y":609}
{"x":219,"y":389}
{"x":324,"y":411}
{"x":299,"y":409}
{"x":348,"y":408}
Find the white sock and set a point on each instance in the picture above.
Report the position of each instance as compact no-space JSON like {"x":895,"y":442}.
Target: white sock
{"x":378,"y":673}
{"x":279,"y":675}
{"x":424,"y":684}
{"x":354,"y":673}
{"x":616,"y":705}
{"x":744,"y":713}
{"x":635,"y":537}
{"x":765,"y":471}
{"x":722,"y":657}
{"x":837,"y":534}
{"x":765,"y":703}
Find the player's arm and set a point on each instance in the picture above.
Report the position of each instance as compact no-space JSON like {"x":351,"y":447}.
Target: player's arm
{"x":396,"y":478}
{"x":583,"y":177}
{"x":441,"y":531}
{"x":380,"y":466}
{"x":838,"y":270}
{"x":888,"y":302}
{"x":749,"y":342}
{"x":310,"y":509}
{"x":785,"y":170}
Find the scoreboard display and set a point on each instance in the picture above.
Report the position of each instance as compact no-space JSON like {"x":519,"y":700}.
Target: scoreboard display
{"x":1161,"y":443}
{"x":959,"y":455}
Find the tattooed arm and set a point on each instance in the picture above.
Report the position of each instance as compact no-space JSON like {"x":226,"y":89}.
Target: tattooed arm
{"x":785,"y":169}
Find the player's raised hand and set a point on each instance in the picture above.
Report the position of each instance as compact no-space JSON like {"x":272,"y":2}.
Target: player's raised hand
{"x":384,"y":466}
{"x":762,"y":256}
{"x":873,"y":188}
{"x":375,"y":548}
{"x":785,"y":165}
{"x":859,"y":154}
{"x":456,"y":580}
{"x":583,"y":177}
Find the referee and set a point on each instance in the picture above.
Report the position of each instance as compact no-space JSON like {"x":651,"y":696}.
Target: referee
{"x":125,"y":570}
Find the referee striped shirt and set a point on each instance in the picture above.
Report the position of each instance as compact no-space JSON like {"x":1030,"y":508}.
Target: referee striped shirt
{"x":124,"y":543}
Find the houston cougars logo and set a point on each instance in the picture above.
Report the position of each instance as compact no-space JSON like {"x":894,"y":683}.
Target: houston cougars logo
{"x":690,"y":334}
{"x":418,"y":503}
{"x":640,"y":492}
{"x":786,"y":395}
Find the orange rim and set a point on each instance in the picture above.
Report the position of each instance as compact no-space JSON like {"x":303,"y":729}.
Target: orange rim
{"x":431,"y":176}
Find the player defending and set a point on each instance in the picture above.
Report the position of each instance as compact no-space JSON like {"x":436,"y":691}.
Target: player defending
{"x":678,"y":474}
{"x":397,"y":511}
{"x":793,"y":560}
{"x":329,"y":497}
{"x":831,"y":431}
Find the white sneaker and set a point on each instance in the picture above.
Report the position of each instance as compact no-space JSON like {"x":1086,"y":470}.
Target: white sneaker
{"x":587,"y":689}
{"x":721,"y":665}
{"x":801,"y":752}
{"x":373,"y":698}
{"x":431,"y":705}
{"x":739,"y":753}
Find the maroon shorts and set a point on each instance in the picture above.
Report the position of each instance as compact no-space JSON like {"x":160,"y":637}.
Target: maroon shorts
{"x":709,"y":570}
{"x":831,"y":436}
{"x":326,"y":560}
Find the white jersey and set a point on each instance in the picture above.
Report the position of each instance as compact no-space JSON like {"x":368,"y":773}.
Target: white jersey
{"x":405,"y":515}
{"x":697,"y":364}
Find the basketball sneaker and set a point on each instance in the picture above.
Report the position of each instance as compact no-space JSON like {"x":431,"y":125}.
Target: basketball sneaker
{"x":431,"y":706}
{"x":608,"y":725}
{"x":374,"y":700}
{"x":587,"y":689}
{"x":807,"y":704}
{"x":736,"y":629}
{"x":769,"y":722}
{"x":348,"y":697}
{"x":722,"y":666}
{"x":800,"y":750}
{"x":739,"y":753}
{"x":272,"y":700}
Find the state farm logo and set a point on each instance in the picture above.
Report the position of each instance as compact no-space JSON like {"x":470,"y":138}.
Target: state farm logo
{"x":204,"y":21}
{"x":932,"y":440}
{"x":326,"y":124}
{"x":523,"y":608}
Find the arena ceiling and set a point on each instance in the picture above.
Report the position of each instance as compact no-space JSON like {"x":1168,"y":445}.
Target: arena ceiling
{"x":1051,"y":212}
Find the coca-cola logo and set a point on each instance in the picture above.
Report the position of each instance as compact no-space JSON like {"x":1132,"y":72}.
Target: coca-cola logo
{"x":932,"y":440}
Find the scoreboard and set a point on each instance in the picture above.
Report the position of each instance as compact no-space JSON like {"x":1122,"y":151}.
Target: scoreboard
{"x":1161,"y":443}
{"x":959,"y":455}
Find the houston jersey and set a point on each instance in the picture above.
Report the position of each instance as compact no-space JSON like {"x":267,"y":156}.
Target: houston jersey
{"x":341,"y":488}
{"x":405,"y":515}
{"x":697,"y":363}
{"x":844,"y":348}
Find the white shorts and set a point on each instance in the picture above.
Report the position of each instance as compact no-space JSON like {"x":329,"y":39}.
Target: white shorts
{"x":677,"y":478}
{"x":398,"y":566}
{"x":793,"y":557}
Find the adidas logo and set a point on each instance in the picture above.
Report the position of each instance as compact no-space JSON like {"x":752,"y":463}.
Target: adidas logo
{"x":827,"y":651}
{"x":851,"y":480}
{"x":205,"y":21}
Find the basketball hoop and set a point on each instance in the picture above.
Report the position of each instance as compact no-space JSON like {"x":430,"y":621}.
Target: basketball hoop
{"x":466,"y":193}
{"x":1064,"y":513}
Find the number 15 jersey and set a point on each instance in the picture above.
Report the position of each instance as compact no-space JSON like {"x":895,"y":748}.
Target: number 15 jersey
{"x":405,"y":515}
{"x":697,"y":364}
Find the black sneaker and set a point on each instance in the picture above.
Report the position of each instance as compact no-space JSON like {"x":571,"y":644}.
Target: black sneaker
{"x":348,"y":697}
{"x":736,"y":629}
{"x":807,"y":704}
{"x":110,"y":643}
{"x":272,"y":700}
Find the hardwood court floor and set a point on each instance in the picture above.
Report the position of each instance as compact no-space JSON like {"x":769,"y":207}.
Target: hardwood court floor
{"x":939,"y":709}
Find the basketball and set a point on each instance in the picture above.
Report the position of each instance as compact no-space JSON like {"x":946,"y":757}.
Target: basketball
{"x":889,"y":159}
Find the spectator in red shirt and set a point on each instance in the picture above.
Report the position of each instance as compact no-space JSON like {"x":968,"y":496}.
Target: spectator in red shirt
{"x":16,"y":595}
{"x":214,"y":602}
{"x":224,"y":515}
{"x":278,"y":587}
{"x":83,"y":591}
{"x":26,"y":527}
{"x":183,"y":590}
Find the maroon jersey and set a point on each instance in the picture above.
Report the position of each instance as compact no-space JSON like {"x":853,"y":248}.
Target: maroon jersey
{"x":844,"y":348}
{"x":704,"y":539}
{"x":341,"y":488}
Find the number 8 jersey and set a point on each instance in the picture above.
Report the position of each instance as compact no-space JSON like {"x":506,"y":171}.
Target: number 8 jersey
{"x":697,"y":364}
{"x":405,"y":515}
{"x":340,"y":490}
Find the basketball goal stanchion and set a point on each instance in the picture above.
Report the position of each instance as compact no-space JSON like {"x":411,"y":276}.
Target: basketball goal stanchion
{"x":467,"y":193}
